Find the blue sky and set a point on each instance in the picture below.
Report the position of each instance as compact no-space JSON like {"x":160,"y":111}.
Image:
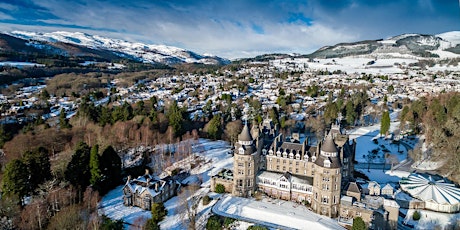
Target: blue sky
{"x":235,"y":28}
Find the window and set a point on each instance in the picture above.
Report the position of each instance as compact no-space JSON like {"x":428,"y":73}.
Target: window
{"x":249,"y":183}
{"x":240,"y":183}
{"x":284,"y":161}
{"x":296,"y":170}
{"x":240,"y":164}
{"x":241,"y":150}
{"x":270,"y":159}
{"x":335,"y":200}
{"x":290,"y":169}
{"x":249,"y":172}
{"x":249,"y":164}
{"x":296,"y":163}
{"x":277,"y":160}
{"x":284,"y":168}
{"x":358,"y":213}
{"x":290,"y":162}
{"x":325,"y":199}
{"x":277,"y":167}
{"x":240,"y":172}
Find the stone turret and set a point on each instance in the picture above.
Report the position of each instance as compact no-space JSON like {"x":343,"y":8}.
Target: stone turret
{"x":245,"y":164}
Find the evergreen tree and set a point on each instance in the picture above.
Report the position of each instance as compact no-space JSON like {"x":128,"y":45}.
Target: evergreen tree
{"x":63,"y":121}
{"x":214,"y":127}
{"x":385,"y":123}
{"x":350,"y":113}
{"x":175,"y":118}
{"x":94,"y":166}
{"x":15,"y":179}
{"x":110,"y":166}
{"x":358,"y":224}
{"x":77,"y":172}
{"x":4,"y":136}
{"x":158,"y":212}
{"x":38,"y":166}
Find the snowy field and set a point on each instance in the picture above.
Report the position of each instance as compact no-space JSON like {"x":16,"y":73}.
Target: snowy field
{"x":432,"y":220}
{"x":365,"y":145}
{"x":276,"y":214}
{"x":216,"y":157}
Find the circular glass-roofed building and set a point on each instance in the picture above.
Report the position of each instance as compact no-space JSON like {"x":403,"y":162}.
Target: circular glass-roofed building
{"x":438,"y":193}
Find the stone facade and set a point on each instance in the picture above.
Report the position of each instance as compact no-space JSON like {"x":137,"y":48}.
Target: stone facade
{"x":146,"y":190}
{"x":290,"y":168}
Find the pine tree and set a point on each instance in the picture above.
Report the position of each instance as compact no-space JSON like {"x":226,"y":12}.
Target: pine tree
{"x":175,"y":118}
{"x":15,"y":179}
{"x":214,"y":127}
{"x":94,"y":166}
{"x":77,"y":172}
{"x":385,"y":123}
{"x":63,"y":121}
{"x":38,"y":166}
{"x":158,"y":212}
{"x":110,"y":166}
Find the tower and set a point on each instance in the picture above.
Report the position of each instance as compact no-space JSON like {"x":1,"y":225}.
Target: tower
{"x":327,"y":179}
{"x":245,"y":164}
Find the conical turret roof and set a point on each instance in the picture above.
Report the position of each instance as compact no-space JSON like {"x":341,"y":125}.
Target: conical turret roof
{"x":245,"y":134}
{"x":329,"y":145}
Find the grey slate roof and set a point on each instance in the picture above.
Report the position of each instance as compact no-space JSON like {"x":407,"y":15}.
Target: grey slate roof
{"x":335,"y":161}
{"x":329,"y":145}
{"x":353,"y":187}
{"x":245,"y":134}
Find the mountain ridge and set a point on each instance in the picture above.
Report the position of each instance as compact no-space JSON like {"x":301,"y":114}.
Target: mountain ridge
{"x":148,"y":53}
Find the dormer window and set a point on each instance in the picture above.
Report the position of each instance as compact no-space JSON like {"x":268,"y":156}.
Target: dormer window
{"x":278,"y":153}
{"x":313,"y":158}
{"x":327,"y":163}
{"x":284,"y":154}
{"x":264,"y":151}
{"x":291,"y":155}
{"x":241,"y":150}
{"x":297,"y":156}
{"x":305,"y":157}
{"x":270,"y":152}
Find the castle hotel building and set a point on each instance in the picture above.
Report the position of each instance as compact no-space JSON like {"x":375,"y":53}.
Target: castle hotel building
{"x":290,"y":168}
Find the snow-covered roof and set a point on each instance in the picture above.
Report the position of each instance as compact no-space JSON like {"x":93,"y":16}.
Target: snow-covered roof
{"x":431,"y":188}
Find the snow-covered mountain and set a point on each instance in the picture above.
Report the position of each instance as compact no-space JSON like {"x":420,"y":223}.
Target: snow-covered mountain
{"x":134,"y":50}
{"x":446,"y":45}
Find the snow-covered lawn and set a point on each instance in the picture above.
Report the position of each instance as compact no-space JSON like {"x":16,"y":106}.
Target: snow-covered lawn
{"x":430,"y":219}
{"x":216,"y":157}
{"x":383,"y":177}
{"x":112,"y":206}
{"x":368,"y":150}
{"x":276,"y":214}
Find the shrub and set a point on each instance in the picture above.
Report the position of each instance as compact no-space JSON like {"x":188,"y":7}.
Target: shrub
{"x":220,"y":188}
{"x":214,"y":223}
{"x":206,"y":200}
{"x":228,"y":221}
{"x":358,"y":224}
{"x":416,"y":215}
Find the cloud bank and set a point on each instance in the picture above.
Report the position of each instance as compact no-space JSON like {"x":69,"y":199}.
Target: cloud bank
{"x":235,"y":28}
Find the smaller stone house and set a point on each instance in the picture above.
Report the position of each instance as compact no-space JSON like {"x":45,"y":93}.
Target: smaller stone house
{"x":374,"y":188}
{"x":146,"y":190}
{"x":387,"y":190}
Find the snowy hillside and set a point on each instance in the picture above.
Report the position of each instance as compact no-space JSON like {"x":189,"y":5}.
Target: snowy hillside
{"x":414,"y":45}
{"x":144,"y":52}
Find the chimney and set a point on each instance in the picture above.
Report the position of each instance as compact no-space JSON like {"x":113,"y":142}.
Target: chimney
{"x":148,"y":182}
{"x":129,"y":179}
{"x":156,"y":186}
{"x":147,"y":171}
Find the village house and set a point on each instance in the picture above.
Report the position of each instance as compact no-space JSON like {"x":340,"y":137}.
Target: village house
{"x":146,"y":190}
